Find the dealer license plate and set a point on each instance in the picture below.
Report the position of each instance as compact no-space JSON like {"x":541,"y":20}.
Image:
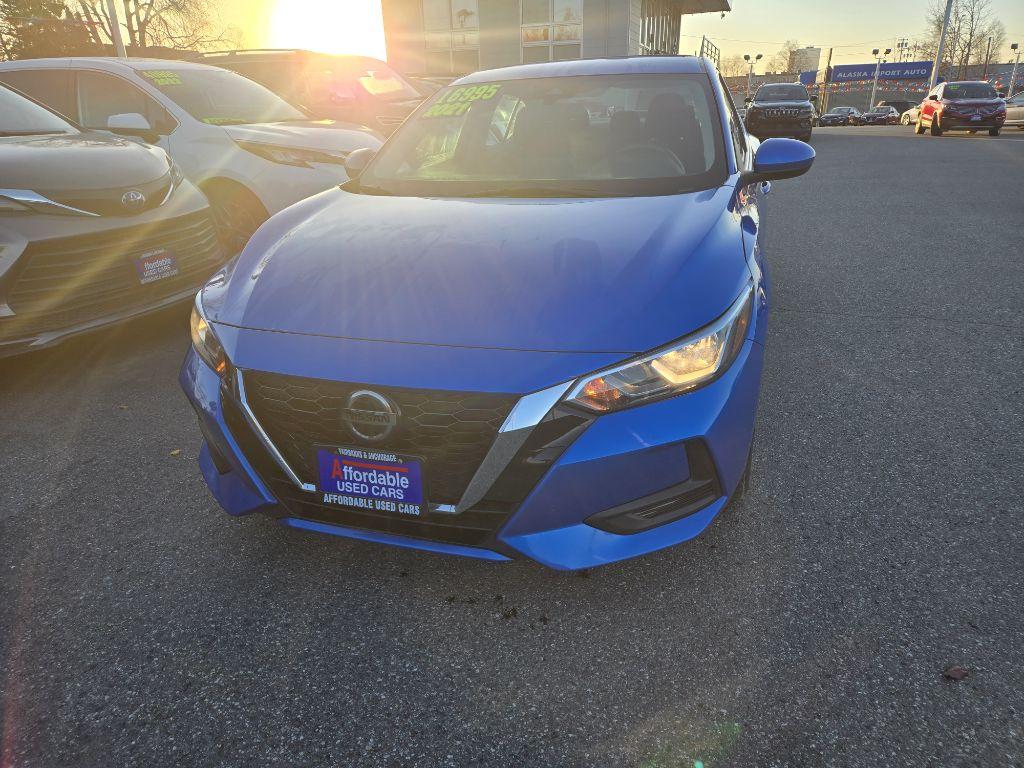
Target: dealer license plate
{"x":375,"y":481}
{"x":155,"y":265}
{"x":975,"y":117}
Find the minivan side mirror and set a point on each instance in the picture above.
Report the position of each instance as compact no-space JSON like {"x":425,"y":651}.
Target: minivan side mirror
{"x":357,"y":161}
{"x":779,"y":159}
{"x":132,"y":124}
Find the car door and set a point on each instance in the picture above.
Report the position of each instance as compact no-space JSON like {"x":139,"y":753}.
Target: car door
{"x":100,"y":95}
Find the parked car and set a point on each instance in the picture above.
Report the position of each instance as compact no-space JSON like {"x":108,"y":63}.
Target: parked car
{"x":555,"y":353}
{"x":880,"y":115}
{"x":94,"y":228}
{"x":1015,"y":111}
{"x":910,"y":116}
{"x":353,"y":89}
{"x":781,"y":109}
{"x":962,"y":106}
{"x":248,"y":150}
{"x":900,"y":105}
{"x":840,"y":116}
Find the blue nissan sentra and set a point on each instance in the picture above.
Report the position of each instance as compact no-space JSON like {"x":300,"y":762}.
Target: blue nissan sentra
{"x":531,"y":325}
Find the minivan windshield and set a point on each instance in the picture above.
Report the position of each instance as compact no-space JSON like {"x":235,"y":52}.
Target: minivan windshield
{"x":585,"y":136}
{"x":781,"y":92}
{"x":374,"y":77}
{"x":22,"y":117}
{"x":220,"y":97}
{"x":969,"y":91}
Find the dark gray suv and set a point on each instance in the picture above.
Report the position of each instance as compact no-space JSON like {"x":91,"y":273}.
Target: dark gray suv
{"x":93,"y":228}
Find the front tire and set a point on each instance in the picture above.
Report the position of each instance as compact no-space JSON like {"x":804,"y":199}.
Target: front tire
{"x":993,"y":131}
{"x":936,"y":127}
{"x":237,"y":213}
{"x":919,"y":126}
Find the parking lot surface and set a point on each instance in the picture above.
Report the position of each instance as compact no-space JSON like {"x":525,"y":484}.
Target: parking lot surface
{"x":810,"y":626}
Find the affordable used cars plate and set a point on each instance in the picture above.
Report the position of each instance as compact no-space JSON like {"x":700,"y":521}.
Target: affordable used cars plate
{"x":155,"y":265}
{"x":372,"y":480}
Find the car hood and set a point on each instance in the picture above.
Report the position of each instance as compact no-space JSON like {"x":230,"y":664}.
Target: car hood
{"x":79,"y":161}
{"x":614,"y":274}
{"x":309,"y":134}
{"x":802,"y":104}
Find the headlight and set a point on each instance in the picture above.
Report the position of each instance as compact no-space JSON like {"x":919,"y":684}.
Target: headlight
{"x":293,"y":156}
{"x":205,"y":342}
{"x":176,"y":174}
{"x":685,"y":365}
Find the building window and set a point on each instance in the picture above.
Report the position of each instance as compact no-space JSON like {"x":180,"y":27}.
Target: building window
{"x":659,"y":27}
{"x":552,"y":30}
{"x":452,"y":35}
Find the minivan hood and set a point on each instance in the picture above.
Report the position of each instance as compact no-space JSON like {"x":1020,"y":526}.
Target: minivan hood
{"x":309,"y":134}
{"x":588,"y":275}
{"x":77,"y":161}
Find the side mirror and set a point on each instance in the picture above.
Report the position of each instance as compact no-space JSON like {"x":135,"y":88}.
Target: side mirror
{"x":779,"y":159}
{"x":132,"y":124}
{"x":357,"y":161}
{"x":747,"y":100}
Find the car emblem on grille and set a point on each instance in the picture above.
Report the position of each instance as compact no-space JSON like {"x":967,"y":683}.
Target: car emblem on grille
{"x":370,"y":416}
{"x":132,"y":200}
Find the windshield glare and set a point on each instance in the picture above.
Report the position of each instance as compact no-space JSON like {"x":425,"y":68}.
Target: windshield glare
{"x":588,"y":135}
{"x":19,"y":116}
{"x":220,"y":97}
{"x":781,"y":93}
{"x":969,"y":91}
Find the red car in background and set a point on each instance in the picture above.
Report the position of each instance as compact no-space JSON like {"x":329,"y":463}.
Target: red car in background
{"x":962,"y":106}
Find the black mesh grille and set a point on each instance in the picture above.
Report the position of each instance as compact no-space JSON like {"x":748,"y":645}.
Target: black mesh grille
{"x":474,"y":528}
{"x":65,"y":281}
{"x":450,"y":431}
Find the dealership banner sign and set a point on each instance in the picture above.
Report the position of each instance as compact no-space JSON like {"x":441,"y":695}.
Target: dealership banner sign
{"x":898,"y":70}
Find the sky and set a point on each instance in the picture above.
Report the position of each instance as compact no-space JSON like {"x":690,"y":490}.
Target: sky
{"x":852,"y":28}
{"x":753,"y":26}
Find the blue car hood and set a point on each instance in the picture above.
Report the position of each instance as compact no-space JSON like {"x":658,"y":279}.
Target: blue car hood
{"x":592,"y":275}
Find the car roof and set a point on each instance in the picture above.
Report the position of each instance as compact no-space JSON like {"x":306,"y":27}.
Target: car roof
{"x":626,"y":65}
{"x":109,"y":63}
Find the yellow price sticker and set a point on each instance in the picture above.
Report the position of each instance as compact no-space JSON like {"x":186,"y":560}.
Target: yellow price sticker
{"x":458,"y":100}
{"x":163,"y":76}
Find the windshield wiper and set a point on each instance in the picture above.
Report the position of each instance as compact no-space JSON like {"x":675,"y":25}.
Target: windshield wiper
{"x":33,"y":133}
{"x":533,"y":192}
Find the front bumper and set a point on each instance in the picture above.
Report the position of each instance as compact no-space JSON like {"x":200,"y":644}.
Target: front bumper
{"x":951,"y":123}
{"x":65,"y":275}
{"x":780,"y":128}
{"x":618,"y":460}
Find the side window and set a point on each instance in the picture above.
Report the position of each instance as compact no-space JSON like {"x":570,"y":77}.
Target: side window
{"x":50,"y":86}
{"x":739,"y":139}
{"x":101,"y":95}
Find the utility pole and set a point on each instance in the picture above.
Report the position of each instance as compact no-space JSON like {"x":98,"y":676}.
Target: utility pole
{"x":115,"y":30}
{"x":878,"y":67}
{"x":1013,"y":73}
{"x":750,"y":71}
{"x":828,"y":84}
{"x":942,"y":44}
{"x":988,"y":55}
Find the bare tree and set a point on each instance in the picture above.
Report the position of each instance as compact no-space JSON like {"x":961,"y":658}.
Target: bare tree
{"x":733,"y":66}
{"x":780,"y":61}
{"x":188,"y":24}
{"x":971,"y":24}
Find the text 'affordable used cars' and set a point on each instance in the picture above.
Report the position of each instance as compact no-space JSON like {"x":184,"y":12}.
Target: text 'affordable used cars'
{"x":532,"y":326}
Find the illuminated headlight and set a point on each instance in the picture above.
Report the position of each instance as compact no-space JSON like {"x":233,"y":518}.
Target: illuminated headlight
{"x":205,"y":341}
{"x":681,"y":367}
{"x":301,"y":158}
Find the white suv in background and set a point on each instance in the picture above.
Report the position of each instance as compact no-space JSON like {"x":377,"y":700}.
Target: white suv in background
{"x":251,"y":152}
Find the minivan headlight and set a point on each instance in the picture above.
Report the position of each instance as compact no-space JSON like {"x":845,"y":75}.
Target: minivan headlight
{"x":205,"y":341}
{"x":681,"y":367}
{"x":302,"y":158}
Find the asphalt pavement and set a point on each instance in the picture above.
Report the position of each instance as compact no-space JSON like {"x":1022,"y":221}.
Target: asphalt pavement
{"x":882,"y":542}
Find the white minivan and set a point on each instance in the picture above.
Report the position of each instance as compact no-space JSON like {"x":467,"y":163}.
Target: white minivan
{"x":247,"y":149}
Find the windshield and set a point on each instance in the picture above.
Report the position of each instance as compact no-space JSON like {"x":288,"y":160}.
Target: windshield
{"x":220,"y":97}
{"x":786,"y":92}
{"x":880,"y":109}
{"x":21,"y":117}
{"x":969,"y":91}
{"x":572,"y":136}
{"x":374,"y":77}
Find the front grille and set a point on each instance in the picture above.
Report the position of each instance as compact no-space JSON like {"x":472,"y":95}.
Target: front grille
{"x":107,"y":202}
{"x":66,"y":281}
{"x":475,"y":527}
{"x":450,"y":431}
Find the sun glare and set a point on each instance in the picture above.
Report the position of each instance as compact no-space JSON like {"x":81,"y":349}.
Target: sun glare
{"x":329,"y":26}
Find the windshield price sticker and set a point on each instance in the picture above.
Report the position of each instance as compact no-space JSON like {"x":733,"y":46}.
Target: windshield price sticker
{"x":458,"y":100}
{"x":163,"y":77}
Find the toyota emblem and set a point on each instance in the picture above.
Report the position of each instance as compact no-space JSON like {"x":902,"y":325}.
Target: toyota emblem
{"x":370,"y":416}
{"x":133,"y":200}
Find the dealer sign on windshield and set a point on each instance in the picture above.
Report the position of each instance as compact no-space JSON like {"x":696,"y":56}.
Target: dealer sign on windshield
{"x":372,"y":480}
